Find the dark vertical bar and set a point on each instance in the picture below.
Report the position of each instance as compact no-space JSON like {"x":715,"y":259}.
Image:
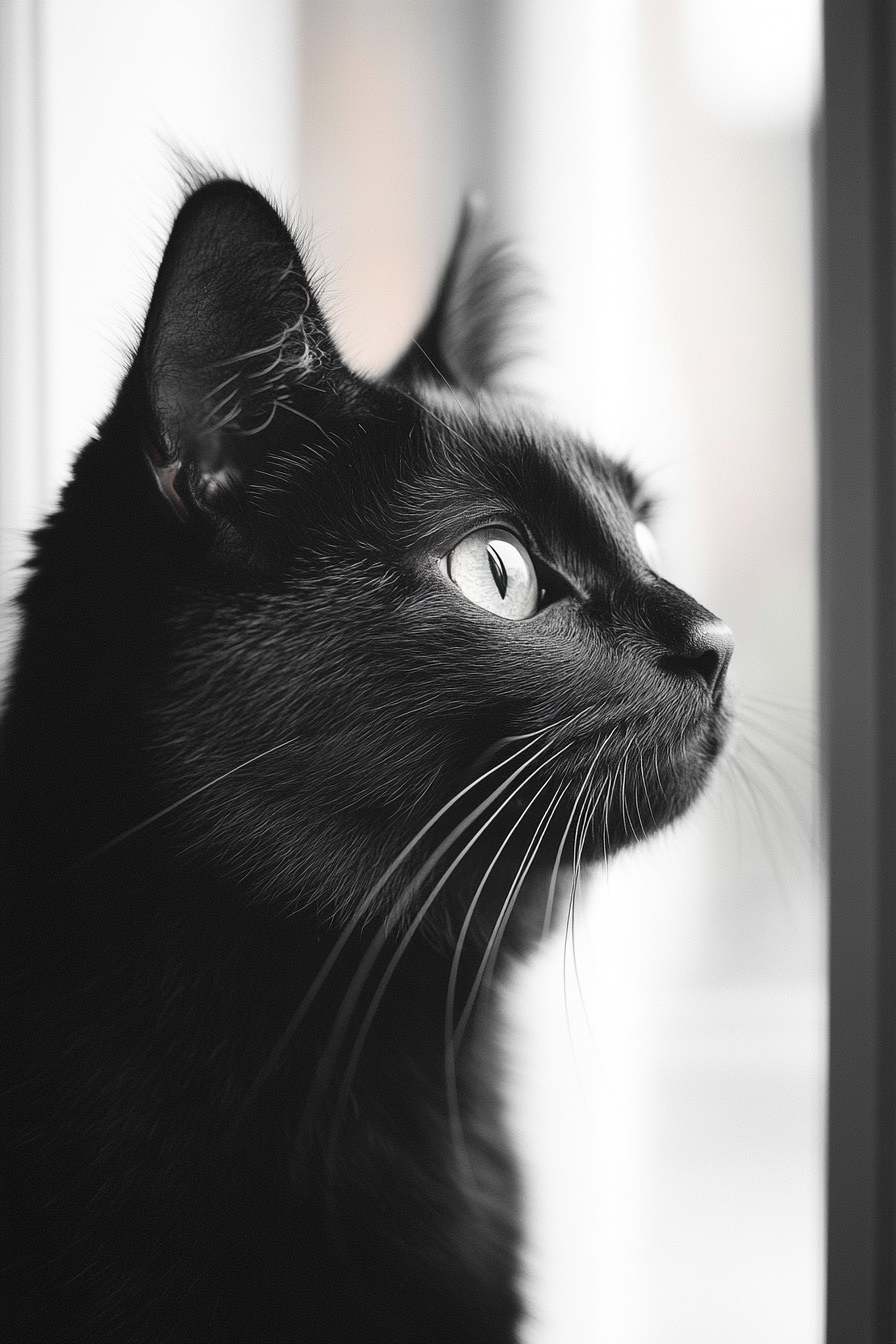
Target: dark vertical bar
{"x":858,"y":601}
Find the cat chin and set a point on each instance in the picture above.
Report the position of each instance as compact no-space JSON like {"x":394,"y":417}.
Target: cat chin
{"x":583,"y":807}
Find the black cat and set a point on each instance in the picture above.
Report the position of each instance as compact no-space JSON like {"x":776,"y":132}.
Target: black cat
{"x":326,"y":687}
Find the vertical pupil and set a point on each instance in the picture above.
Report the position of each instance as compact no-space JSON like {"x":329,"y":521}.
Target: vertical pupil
{"x":499,"y":573}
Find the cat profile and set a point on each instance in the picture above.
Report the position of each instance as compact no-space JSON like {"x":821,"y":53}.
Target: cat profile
{"x":327,"y":686}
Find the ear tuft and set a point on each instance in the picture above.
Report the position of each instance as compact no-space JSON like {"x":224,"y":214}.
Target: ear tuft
{"x":471,"y":332}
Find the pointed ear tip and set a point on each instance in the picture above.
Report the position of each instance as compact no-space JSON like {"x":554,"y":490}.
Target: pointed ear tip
{"x":473,"y":210}
{"x":227,"y":191}
{"x":229,"y":203}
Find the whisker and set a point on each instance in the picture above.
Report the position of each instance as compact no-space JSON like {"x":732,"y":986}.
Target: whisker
{"x":439,"y":421}
{"x":755,"y":723}
{"x":780,"y":707}
{"x":552,"y":886}
{"x":500,"y":923}
{"x":760,"y":812}
{"x":362,"y":911}
{"x":451,"y":1040}
{"x":467,"y":821}
{"x":359,"y":979}
{"x":448,"y":385}
{"x":570,"y":935}
{"x":626,"y":819}
{"x":781,"y":785}
{"x":187,"y":797}
{"x":646,"y":795}
{"x":589,"y":806}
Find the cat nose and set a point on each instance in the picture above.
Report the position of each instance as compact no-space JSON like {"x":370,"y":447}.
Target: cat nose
{"x":707,"y":651}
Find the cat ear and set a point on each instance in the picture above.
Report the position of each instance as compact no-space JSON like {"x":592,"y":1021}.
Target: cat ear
{"x":463,"y":342}
{"x":233,"y":337}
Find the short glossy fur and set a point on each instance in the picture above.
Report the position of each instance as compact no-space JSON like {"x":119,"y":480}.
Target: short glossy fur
{"x":279,"y":803}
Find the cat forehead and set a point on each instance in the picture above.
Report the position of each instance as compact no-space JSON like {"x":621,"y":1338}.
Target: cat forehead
{"x":562,"y":487}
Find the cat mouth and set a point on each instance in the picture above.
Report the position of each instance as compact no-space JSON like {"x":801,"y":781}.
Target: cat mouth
{"x":629,"y":779}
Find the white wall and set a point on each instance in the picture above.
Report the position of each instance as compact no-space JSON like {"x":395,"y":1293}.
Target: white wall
{"x":94,"y":93}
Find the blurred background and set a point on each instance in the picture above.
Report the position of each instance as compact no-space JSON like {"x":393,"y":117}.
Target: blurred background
{"x":651,"y":160}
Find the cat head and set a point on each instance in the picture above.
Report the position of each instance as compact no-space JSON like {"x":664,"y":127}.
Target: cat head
{"x":397,"y":607}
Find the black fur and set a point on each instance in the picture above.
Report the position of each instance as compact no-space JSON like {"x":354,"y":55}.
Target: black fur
{"x":253,"y":1061}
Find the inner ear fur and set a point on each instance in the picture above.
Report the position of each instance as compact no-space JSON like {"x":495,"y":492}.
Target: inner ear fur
{"x":233,"y":337}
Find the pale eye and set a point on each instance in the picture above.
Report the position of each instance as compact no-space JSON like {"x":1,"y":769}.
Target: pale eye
{"x":492,"y":569}
{"x":647,"y":546}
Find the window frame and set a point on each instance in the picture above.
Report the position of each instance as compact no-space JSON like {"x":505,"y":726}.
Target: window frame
{"x":857,"y":385}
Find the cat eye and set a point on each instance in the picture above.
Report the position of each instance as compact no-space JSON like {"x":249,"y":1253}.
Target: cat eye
{"x":493,"y":570}
{"x":647,"y":546}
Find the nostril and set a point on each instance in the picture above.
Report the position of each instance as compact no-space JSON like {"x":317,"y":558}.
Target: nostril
{"x":708,"y":665}
{"x":708,"y":653}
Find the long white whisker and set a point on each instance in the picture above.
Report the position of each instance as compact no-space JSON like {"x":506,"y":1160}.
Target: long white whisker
{"x":454,"y":1118}
{"x":194,"y":793}
{"x":585,"y":816}
{"x":571,"y":927}
{"x":756,"y":724}
{"x":522,"y":871}
{"x":552,"y":886}
{"x":555,"y":872}
{"x":449,"y":387}
{"x":463,"y":825}
{"x":360,"y":977}
{"x":646,"y":793}
{"x":439,"y":421}
{"x":362,"y":912}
